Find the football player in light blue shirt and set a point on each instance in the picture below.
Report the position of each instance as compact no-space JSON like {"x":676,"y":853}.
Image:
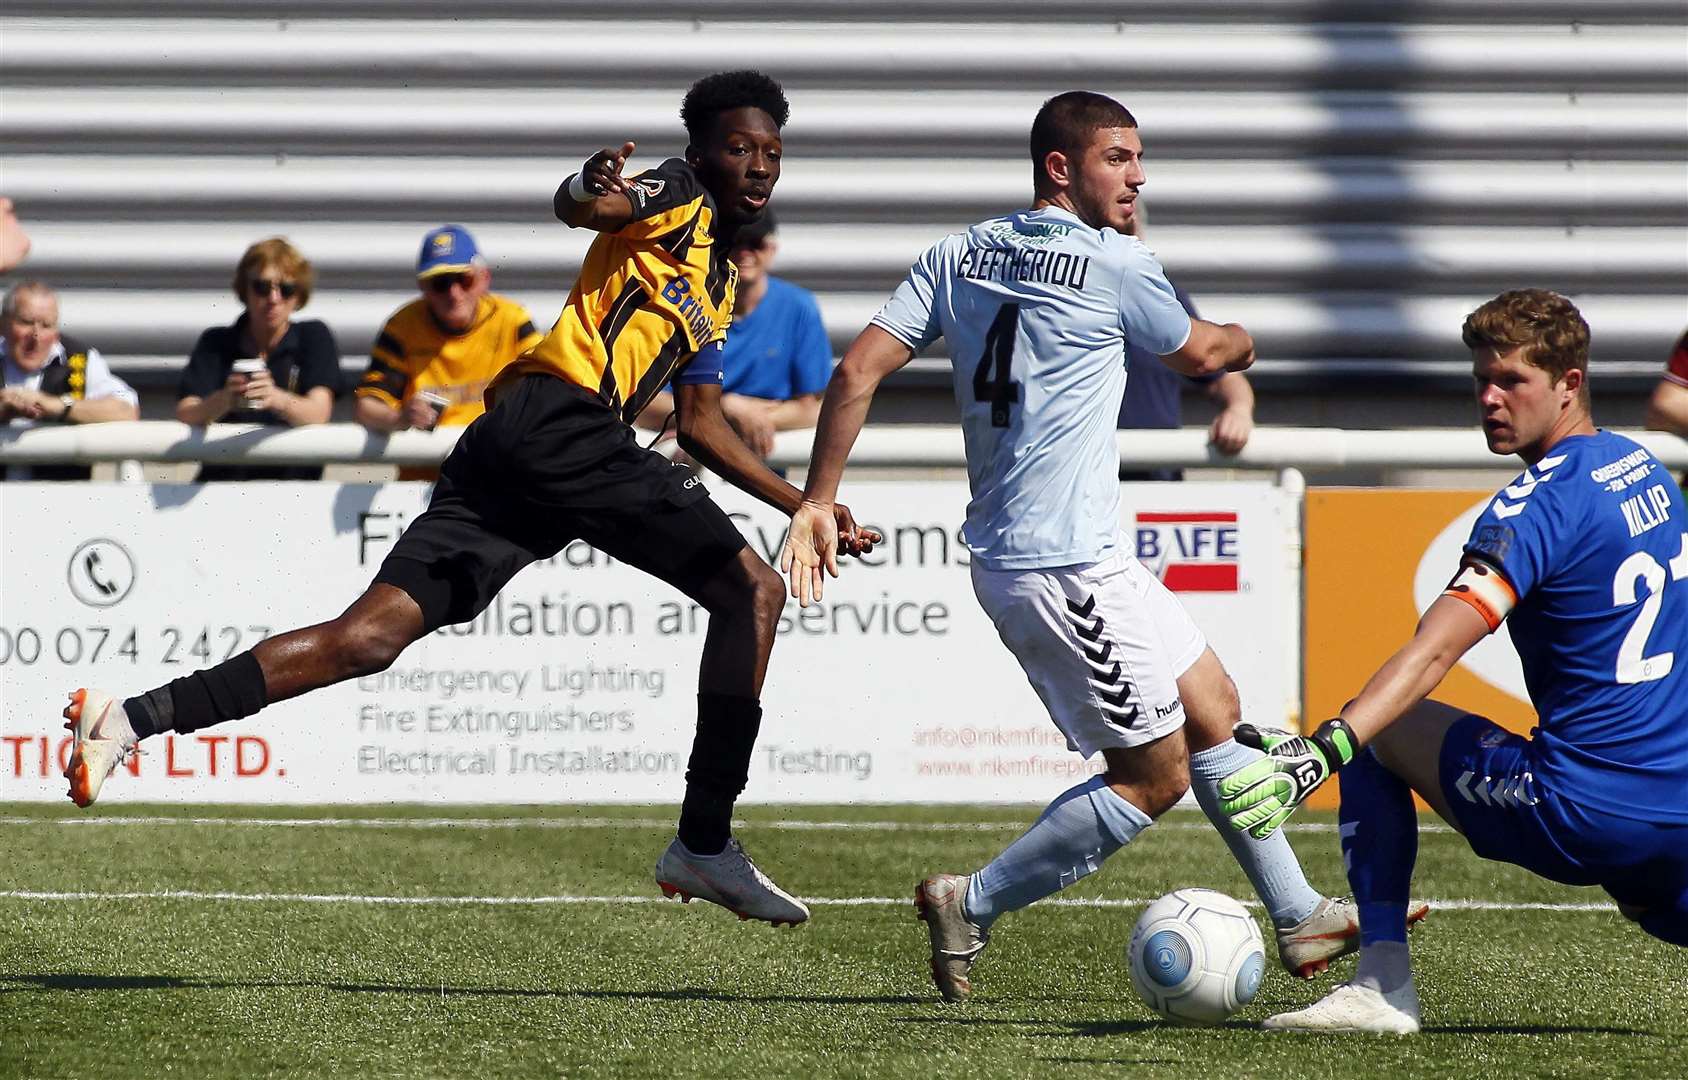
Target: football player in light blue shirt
{"x":1038,"y":307}
{"x":1587,"y":553}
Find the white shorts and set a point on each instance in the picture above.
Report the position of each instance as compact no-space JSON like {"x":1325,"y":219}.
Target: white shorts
{"x":1103,"y":646}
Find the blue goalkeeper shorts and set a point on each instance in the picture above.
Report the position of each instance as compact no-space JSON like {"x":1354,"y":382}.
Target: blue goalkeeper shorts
{"x":1510,"y":815}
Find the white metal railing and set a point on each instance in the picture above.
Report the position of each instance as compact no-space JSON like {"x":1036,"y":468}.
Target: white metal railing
{"x":165,"y":321}
{"x":912,"y":446}
{"x":1011,"y":12}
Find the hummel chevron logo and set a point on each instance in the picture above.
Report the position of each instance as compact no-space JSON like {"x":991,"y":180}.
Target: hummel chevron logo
{"x":1525,"y":484}
{"x":1118,"y":700}
{"x":1460,"y":786}
{"x":1087,"y":631}
{"x":1113,"y":690}
{"x":1506,"y":793}
{"x":1123,"y":718}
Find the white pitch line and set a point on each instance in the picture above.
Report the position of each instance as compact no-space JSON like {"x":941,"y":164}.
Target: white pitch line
{"x":534,"y":901}
{"x":611,"y":823}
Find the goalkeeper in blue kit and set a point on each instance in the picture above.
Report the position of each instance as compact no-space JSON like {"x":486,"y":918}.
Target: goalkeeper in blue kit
{"x":1586,"y":553}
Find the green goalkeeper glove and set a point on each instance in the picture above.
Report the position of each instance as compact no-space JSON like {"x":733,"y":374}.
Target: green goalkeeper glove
{"x":1262,"y":795}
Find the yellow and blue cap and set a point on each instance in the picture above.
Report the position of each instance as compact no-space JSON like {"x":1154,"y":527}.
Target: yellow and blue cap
{"x":448,"y":249}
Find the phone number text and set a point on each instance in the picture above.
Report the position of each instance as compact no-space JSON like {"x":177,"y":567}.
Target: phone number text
{"x":198,"y":645}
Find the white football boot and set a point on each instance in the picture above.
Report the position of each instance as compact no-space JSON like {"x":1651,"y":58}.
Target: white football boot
{"x":1357,"y":1009}
{"x":1332,"y":930}
{"x":729,"y":879}
{"x":104,"y":740}
{"x":956,"y":941}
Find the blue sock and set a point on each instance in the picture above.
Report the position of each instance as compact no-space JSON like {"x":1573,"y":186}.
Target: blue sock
{"x":1082,"y":827}
{"x":1270,"y":864}
{"x":1379,"y":846}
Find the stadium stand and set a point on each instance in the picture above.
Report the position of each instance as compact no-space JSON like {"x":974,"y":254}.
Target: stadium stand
{"x":1346,"y":179}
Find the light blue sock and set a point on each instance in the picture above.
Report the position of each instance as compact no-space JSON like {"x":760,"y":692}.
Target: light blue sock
{"x":1270,"y":864}
{"x":1082,"y":827}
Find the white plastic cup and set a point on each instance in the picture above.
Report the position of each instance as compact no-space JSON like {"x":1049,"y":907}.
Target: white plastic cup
{"x":249,"y":368}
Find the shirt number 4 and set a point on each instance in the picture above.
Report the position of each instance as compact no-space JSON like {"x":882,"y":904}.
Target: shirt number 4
{"x":993,"y":378}
{"x":1633,"y":666}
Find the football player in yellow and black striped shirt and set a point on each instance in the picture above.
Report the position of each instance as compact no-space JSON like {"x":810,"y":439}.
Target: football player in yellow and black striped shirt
{"x":554,"y":460}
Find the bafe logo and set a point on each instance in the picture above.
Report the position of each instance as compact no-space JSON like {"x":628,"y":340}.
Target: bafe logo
{"x":1190,"y":551}
{"x":101,"y":573}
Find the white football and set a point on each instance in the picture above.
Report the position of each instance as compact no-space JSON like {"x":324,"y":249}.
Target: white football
{"x":1196,"y":956}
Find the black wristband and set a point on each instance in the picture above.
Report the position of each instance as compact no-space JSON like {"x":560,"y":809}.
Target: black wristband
{"x":1336,"y":740}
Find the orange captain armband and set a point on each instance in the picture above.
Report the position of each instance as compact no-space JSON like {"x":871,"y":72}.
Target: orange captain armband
{"x":1483,"y":587}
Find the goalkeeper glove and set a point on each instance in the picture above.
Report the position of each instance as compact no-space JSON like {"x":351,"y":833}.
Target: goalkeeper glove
{"x":1262,"y":795}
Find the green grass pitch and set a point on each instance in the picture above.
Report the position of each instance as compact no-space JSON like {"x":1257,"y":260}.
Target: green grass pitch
{"x":303,"y":968}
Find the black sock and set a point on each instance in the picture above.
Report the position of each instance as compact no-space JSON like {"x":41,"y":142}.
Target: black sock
{"x":718,"y":769}
{"x":229,"y":691}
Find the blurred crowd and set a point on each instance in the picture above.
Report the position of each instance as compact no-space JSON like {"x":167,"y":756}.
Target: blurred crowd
{"x":433,"y":358}
{"x":429,"y":365}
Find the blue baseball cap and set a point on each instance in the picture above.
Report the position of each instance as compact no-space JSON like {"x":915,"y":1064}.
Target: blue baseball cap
{"x":448,"y":249}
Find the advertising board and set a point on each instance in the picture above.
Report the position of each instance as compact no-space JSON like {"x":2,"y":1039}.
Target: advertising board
{"x":579,"y":682}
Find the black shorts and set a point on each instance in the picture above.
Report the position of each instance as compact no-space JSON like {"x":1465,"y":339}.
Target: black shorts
{"x":548,"y":464}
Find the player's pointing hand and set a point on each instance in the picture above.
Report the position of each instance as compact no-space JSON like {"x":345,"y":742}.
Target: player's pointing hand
{"x":811,"y":551}
{"x":602,"y":172}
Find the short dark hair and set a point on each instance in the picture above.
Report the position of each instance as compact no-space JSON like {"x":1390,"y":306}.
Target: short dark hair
{"x":1067,"y":121}
{"x":728,"y":90}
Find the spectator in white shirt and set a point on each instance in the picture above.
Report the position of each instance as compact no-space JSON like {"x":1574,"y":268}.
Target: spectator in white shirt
{"x":51,"y":378}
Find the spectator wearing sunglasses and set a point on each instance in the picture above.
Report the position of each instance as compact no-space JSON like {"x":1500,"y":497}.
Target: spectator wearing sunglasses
{"x":432,"y":361}
{"x":300,"y":376}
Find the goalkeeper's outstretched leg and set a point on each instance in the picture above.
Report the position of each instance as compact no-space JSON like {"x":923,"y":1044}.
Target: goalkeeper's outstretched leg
{"x":1312,"y":929}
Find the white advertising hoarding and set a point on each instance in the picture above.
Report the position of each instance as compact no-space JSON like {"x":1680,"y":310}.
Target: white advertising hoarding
{"x":579,"y":683}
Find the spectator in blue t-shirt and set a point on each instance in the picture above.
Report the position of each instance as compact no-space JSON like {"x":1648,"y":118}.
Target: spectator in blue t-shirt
{"x":1152,"y":392}
{"x":777,"y":360}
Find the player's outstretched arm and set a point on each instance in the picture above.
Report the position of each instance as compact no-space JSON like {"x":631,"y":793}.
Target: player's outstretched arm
{"x":1261,"y":796}
{"x":872,"y":356}
{"x":1212,"y":348}
{"x":705,"y":433}
{"x":14,"y":242}
{"x":810,"y":547}
{"x":1448,"y":630}
{"x":596,"y":196}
